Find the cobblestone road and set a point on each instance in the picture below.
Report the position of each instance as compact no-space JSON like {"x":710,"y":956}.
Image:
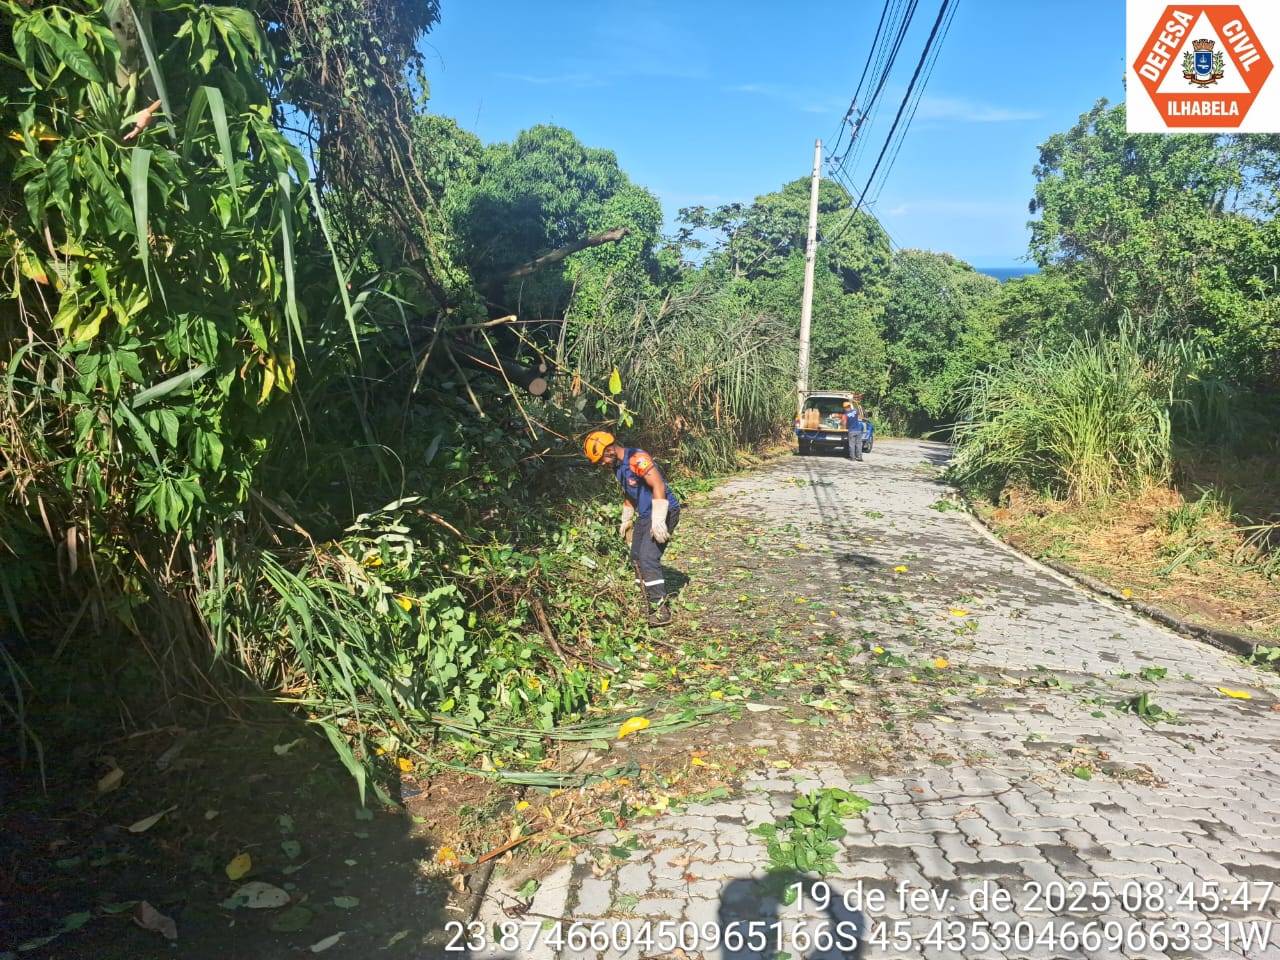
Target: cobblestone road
{"x":1175,"y":816}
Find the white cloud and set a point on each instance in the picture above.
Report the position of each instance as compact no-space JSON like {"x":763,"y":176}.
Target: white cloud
{"x":968,"y":111}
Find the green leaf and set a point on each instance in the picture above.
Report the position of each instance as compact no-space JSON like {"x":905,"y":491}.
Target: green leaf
{"x":218,"y":111}
{"x":66,"y":48}
{"x":182,"y":381}
{"x":293,"y":920}
{"x":168,"y":426}
{"x":338,"y":271}
{"x":343,"y":750}
{"x":286,"y":239}
{"x":139,"y":174}
{"x":615,"y":382}
{"x":140,"y":432}
{"x":1083,"y":773}
{"x":147,"y":43}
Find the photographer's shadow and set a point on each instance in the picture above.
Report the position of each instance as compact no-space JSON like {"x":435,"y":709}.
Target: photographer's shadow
{"x":818,"y":926}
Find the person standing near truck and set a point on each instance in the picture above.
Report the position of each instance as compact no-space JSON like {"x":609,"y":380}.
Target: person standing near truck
{"x":853,"y":423}
{"x":650,"y":512}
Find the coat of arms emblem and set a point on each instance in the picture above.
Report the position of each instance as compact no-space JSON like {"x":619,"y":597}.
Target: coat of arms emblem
{"x":1204,"y":67}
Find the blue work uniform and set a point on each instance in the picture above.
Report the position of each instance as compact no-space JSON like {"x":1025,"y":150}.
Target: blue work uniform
{"x":856,"y":433}
{"x":635,"y":465}
{"x":646,"y":553}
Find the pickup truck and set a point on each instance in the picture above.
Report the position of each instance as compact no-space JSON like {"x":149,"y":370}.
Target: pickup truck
{"x":821,"y":423}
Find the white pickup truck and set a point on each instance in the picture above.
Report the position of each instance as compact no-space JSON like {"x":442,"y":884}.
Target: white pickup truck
{"x":821,"y":424}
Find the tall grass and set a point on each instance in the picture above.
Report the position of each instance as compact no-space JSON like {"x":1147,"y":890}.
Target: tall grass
{"x":706,"y":377}
{"x":1093,"y":419}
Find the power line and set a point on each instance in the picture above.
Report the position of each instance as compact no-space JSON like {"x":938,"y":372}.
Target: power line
{"x":906,"y":100}
{"x":866,"y":66}
{"x":843,"y":180}
{"x":928,"y":75}
{"x":888,"y":58}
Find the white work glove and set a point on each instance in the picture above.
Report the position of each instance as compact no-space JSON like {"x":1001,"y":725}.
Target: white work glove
{"x":658,"y":526}
{"x":628,"y":520}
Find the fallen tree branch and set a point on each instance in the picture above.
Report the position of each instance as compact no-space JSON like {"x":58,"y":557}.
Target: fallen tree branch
{"x":533,"y":380}
{"x":555,"y":256}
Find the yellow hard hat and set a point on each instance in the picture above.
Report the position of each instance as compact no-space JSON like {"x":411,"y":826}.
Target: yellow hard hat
{"x":596,"y":443}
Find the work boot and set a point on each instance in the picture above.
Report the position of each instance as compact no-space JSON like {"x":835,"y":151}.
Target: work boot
{"x":660,"y":613}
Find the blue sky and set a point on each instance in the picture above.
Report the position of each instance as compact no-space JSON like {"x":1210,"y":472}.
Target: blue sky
{"x":711,"y":101}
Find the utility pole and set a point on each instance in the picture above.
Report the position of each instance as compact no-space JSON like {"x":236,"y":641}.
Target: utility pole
{"x":806,"y":300}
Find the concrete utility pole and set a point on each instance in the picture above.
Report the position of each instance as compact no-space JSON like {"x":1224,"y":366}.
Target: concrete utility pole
{"x":806,"y":300}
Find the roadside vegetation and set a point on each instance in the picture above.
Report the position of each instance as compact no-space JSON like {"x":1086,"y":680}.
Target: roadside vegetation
{"x":293,"y":374}
{"x":1128,"y":426}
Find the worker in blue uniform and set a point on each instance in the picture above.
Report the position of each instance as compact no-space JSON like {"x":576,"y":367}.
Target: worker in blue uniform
{"x":853,"y":423}
{"x":650,"y":512}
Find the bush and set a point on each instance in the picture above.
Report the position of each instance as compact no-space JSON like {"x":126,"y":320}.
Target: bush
{"x":707,"y":376}
{"x":1094,"y":418}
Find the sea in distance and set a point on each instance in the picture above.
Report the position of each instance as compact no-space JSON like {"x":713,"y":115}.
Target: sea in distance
{"x":1008,"y":273}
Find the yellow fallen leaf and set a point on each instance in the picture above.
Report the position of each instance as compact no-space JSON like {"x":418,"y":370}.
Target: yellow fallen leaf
{"x":1235,"y":694}
{"x":1127,"y":593}
{"x":801,"y":600}
{"x":604,"y":684}
{"x":142,"y":826}
{"x":780,"y":764}
{"x":446,"y":856}
{"x":743,"y":598}
{"x":405,"y":764}
{"x":878,"y":651}
{"x":110,"y":780}
{"x":941,"y":663}
{"x":632,"y":725}
{"x":942,"y":719}
{"x":373,"y":560}
{"x":404,"y":603}
{"x":901,"y":568}
{"x":697,"y":762}
{"x":958,"y":612}
{"x":240,"y":864}
{"x":522,"y":805}
{"x":716,"y":694}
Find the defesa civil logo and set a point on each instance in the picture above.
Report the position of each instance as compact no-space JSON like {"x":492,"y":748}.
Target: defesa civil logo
{"x":1203,"y":67}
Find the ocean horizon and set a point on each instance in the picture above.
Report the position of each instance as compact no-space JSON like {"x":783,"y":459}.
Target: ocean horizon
{"x":1004,"y":274}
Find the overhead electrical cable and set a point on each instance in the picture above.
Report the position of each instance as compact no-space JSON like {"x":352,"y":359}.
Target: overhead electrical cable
{"x":866,"y":66}
{"x":902,"y":109}
{"x":915,"y":106}
{"x":885,"y":66}
{"x":883,"y":57}
{"x":875,"y":62}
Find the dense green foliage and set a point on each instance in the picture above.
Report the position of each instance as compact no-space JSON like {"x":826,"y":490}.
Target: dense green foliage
{"x":261,"y":314}
{"x":1154,"y":326}
{"x":246,"y":443}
